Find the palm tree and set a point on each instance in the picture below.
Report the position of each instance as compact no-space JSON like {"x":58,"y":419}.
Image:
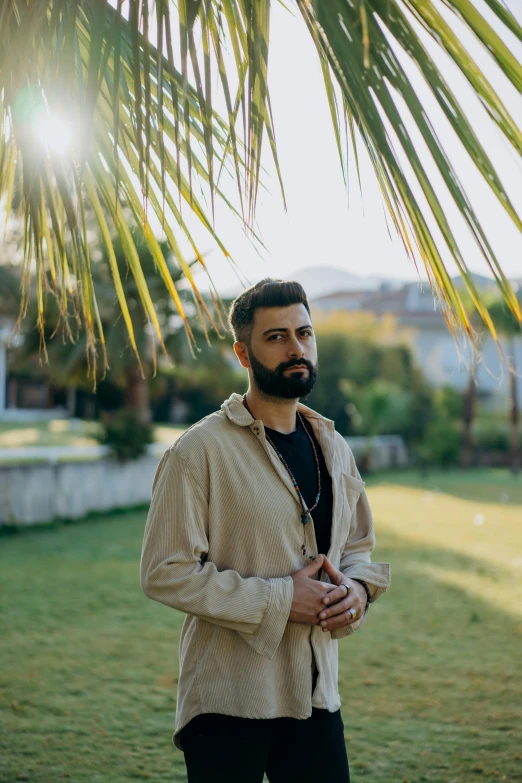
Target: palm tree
{"x":507,"y":326}
{"x":470,"y":393}
{"x":67,"y":359}
{"x":469,"y":409}
{"x":140,"y":79}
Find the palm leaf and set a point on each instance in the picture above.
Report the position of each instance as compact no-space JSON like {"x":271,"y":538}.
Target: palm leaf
{"x":85,"y":60}
{"x":360,"y":39}
{"x":151,"y":133}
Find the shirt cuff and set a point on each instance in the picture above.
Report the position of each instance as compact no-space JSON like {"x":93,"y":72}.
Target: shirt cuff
{"x":274,"y":622}
{"x":376,"y":575}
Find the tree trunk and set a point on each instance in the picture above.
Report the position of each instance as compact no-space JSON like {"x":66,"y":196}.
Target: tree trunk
{"x":12,"y":392}
{"x":48,"y":395}
{"x":3,"y":376}
{"x":137,"y":394}
{"x":470,"y":399}
{"x":71,"y":400}
{"x":515,"y":433}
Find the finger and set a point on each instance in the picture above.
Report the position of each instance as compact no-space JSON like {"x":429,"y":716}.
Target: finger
{"x":339,"y":621}
{"x":338,"y":608}
{"x":332,"y":572}
{"x":314,"y":566}
{"x":336,"y":594}
{"x":329,"y":588}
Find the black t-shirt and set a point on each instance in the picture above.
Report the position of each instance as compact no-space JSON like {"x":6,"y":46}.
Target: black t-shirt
{"x":297,"y":451}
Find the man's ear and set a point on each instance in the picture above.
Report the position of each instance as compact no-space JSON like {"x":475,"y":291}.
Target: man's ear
{"x":241,"y":351}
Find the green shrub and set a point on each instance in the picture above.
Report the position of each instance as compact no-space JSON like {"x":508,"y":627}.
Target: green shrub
{"x":125,"y":434}
{"x":491,"y":435}
{"x":441,"y":444}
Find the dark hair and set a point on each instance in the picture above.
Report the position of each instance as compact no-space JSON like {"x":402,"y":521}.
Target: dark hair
{"x":267,"y":293}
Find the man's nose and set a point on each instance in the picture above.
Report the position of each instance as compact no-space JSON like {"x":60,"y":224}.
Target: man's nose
{"x":296,"y":349}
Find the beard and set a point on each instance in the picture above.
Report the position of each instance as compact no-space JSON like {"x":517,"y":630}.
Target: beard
{"x":274,"y":383}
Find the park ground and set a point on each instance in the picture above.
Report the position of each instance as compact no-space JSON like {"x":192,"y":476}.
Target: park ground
{"x":431,"y":687}
{"x":67,"y":432}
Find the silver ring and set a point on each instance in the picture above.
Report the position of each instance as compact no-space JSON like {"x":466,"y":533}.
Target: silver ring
{"x":347,"y":588}
{"x":353,"y":612}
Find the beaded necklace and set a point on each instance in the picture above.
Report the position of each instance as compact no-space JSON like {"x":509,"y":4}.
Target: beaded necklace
{"x":305,"y":511}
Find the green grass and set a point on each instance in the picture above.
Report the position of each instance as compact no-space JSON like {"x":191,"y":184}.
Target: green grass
{"x":64,"y":432}
{"x":488,"y":484}
{"x":431,"y":687}
{"x":54,"y":432}
{"x":67,"y":432}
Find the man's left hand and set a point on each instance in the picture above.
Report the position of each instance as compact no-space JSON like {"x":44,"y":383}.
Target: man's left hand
{"x":337,"y":613}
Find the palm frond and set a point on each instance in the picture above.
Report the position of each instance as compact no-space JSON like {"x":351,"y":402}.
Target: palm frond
{"x":141,"y":79}
{"x":143,"y":133}
{"x":359,"y":40}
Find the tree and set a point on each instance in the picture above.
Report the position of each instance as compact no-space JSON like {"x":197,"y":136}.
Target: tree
{"x":510,"y":329}
{"x":370,"y":384}
{"x":67,"y":358}
{"x":470,"y":395}
{"x":148,"y":130}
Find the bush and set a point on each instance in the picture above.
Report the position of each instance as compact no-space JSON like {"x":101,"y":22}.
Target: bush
{"x":441,"y":444}
{"x":126,"y":436}
{"x":204,"y":384}
{"x":491,"y":435}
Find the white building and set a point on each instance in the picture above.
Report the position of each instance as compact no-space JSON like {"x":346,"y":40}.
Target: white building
{"x":434,"y":346}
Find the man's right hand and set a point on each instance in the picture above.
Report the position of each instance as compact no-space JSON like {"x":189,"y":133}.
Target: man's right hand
{"x":308,"y":594}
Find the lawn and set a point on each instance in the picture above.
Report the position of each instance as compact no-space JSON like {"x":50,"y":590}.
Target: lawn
{"x":67,"y":432}
{"x":431,"y":688}
{"x":63,"y":432}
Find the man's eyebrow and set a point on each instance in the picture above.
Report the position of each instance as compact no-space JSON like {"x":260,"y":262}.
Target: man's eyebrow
{"x":284,"y":329}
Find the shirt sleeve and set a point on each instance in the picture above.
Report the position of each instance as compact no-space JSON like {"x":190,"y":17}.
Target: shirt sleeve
{"x":173,"y":573}
{"x":356,"y":555}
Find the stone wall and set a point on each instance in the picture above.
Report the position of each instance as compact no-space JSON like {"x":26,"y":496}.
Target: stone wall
{"x":39,"y":493}
{"x":381,"y":452}
{"x":33,"y":494}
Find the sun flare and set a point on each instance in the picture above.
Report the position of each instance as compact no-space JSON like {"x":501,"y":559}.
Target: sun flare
{"x":55,"y":133}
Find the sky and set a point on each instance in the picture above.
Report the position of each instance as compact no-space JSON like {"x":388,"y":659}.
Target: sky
{"x":326,"y":225}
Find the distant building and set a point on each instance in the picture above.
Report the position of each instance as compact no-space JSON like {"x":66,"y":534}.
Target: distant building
{"x":30,"y":395}
{"x":434,"y":345}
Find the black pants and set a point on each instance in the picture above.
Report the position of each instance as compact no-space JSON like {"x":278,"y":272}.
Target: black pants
{"x":228,"y":749}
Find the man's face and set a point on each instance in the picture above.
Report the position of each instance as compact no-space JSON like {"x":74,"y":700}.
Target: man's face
{"x":282,"y":354}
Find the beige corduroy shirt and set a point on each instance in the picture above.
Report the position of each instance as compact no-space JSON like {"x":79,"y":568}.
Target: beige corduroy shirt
{"x":223,"y":536}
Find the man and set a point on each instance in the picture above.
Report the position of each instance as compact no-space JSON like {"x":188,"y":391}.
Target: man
{"x":260,"y":531}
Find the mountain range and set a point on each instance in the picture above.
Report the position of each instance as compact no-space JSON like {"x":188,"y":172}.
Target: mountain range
{"x":320,"y":281}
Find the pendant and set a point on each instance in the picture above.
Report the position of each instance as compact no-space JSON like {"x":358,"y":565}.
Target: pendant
{"x":305,"y":518}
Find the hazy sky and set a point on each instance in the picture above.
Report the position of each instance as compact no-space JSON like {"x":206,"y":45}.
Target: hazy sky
{"x":320,"y":227}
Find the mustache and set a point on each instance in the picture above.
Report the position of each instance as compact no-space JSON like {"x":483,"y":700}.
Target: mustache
{"x":296,"y":363}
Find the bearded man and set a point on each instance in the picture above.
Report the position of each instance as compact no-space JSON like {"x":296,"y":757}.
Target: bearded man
{"x":261,"y":532}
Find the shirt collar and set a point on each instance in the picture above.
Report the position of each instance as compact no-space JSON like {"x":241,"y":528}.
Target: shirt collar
{"x":237,"y":413}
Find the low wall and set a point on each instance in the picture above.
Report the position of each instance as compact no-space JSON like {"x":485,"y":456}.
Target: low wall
{"x":380,"y":452}
{"x":39,"y":493}
{"x":33,"y":494}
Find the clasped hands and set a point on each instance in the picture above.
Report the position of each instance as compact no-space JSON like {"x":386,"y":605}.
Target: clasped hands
{"x":322,"y":603}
